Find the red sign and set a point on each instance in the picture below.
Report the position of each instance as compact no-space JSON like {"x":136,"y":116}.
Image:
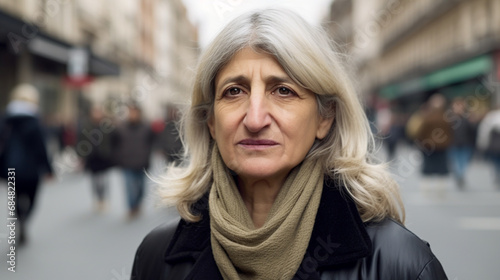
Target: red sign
{"x":78,"y":82}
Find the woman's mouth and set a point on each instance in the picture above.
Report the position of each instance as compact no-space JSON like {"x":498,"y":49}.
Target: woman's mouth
{"x":257,"y":143}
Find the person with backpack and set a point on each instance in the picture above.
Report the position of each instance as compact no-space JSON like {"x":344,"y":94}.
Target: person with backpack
{"x":24,"y":151}
{"x":488,"y":140}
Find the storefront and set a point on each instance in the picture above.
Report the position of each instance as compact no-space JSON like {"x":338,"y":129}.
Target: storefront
{"x":27,"y":54}
{"x":462,"y":79}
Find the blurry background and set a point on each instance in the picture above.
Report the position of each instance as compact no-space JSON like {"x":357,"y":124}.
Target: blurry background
{"x":80,"y":54}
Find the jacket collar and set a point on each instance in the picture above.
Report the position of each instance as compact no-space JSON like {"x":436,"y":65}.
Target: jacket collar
{"x":339,"y":236}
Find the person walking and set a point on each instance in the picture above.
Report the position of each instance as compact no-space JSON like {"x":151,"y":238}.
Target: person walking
{"x":99,"y":159}
{"x":433,"y":137}
{"x":462,"y":145}
{"x":133,"y":141}
{"x":393,"y":134}
{"x":488,"y":140}
{"x":24,"y":152}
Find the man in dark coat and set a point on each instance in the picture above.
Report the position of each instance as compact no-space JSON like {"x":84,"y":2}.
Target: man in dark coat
{"x":99,"y":158}
{"x":24,"y":156}
{"x":133,"y":141}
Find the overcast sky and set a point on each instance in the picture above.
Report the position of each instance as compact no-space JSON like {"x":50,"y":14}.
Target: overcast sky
{"x":211,"y":15}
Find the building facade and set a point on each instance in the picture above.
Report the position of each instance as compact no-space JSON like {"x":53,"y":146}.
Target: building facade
{"x":404,"y":51}
{"x":37,"y":42}
{"x":177,"y":54}
{"x":130,"y":49}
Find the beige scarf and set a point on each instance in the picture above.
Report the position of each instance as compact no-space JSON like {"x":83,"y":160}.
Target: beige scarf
{"x":274,"y":251}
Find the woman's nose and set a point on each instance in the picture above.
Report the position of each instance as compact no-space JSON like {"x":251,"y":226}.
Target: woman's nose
{"x":257,"y":115}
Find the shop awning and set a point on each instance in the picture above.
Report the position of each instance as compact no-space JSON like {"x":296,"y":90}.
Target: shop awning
{"x":464,"y":89}
{"x":459,"y":72}
{"x":59,"y":51}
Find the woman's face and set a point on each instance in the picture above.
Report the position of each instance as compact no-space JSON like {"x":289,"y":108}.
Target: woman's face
{"x":264,"y":123}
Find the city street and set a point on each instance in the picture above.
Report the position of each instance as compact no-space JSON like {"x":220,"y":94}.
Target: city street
{"x":68,"y":240}
{"x":462,"y":227}
{"x":103,"y":84}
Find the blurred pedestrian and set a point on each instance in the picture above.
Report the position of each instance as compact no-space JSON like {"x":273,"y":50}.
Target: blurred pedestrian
{"x":133,"y":141}
{"x":24,"y":152}
{"x":99,"y":158}
{"x":415,"y":122}
{"x":433,"y":137}
{"x":462,"y":145}
{"x":488,"y":140}
{"x":169,"y":141}
{"x":392,"y":133}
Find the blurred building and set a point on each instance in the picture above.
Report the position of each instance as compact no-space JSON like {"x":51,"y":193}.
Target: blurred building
{"x":79,"y":52}
{"x":404,"y":51}
{"x":177,"y":53}
{"x":37,"y":40}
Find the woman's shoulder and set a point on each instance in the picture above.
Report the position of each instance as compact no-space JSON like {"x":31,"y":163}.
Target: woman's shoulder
{"x":397,"y":248}
{"x":149,"y":258}
{"x":159,"y":237}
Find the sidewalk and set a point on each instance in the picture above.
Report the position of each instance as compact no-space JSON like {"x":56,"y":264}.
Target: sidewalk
{"x":67,"y":239}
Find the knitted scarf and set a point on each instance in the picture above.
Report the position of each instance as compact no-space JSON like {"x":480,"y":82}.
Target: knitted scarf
{"x":274,"y":251}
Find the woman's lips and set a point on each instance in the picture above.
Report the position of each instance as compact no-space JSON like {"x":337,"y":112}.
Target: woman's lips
{"x":257,"y":143}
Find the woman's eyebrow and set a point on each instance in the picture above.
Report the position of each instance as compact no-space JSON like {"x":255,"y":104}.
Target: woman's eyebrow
{"x":234,"y":79}
{"x":278,"y":79}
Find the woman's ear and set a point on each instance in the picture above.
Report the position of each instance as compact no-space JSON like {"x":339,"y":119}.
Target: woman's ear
{"x":325,"y":123}
{"x":324,"y":126}
{"x":210,"y":124}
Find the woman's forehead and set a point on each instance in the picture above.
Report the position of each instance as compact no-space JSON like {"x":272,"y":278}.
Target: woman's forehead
{"x":247,"y":58}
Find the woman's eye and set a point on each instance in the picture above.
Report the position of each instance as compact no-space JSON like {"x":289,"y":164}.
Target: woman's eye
{"x":284,"y":91}
{"x":233,"y":91}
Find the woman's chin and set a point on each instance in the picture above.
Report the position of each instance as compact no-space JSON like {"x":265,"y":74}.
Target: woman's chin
{"x":262,"y":172}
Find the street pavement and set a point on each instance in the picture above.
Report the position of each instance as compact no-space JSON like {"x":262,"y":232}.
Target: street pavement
{"x":69,"y":240}
{"x":462,"y":226}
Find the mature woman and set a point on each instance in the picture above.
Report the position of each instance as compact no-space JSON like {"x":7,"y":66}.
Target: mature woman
{"x":280,"y":183}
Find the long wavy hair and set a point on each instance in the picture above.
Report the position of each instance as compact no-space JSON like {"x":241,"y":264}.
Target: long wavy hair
{"x":309,"y":57}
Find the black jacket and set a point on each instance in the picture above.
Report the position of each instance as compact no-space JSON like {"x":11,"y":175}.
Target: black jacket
{"x":100,"y":156}
{"x":341,"y":247}
{"x":24,"y":149}
{"x":132,"y":143}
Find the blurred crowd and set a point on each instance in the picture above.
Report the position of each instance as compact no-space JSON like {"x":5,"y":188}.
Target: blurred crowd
{"x":449,"y":133}
{"x":98,"y":142}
